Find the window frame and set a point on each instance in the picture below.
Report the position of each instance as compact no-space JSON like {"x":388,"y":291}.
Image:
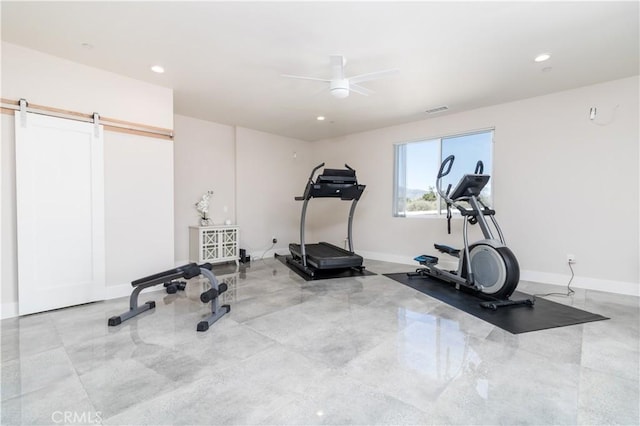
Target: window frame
{"x":397,"y":212}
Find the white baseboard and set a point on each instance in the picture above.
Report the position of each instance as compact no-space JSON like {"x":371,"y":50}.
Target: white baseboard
{"x":115,"y":291}
{"x":9,"y":310}
{"x":269,"y":254}
{"x":386,"y":257}
{"x":587,"y":283}
{"x":404,"y":260}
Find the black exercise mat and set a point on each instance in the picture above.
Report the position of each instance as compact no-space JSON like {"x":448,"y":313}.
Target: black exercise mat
{"x":325,"y":274}
{"x":514,"y":319}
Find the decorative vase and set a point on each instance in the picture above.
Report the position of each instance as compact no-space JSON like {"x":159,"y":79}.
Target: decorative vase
{"x":204,"y":220}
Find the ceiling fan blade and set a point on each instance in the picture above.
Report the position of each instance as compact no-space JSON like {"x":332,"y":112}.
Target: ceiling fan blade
{"x":372,"y":76}
{"x":305,"y":78}
{"x":361,"y":90}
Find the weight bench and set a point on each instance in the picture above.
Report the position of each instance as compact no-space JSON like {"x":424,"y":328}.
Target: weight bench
{"x":188,"y":271}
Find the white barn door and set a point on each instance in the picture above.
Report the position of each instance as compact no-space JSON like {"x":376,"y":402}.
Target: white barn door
{"x":60,"y":212}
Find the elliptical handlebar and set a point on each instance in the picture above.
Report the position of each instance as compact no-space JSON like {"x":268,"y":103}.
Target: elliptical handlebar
{"x":448,"y":163}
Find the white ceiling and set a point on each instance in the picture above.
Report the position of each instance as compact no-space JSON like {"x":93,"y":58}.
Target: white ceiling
{"x":224,"y":60}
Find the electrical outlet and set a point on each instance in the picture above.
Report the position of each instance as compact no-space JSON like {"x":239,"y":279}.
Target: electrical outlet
{"x":571,"y":258}
{"x":274,"y":240}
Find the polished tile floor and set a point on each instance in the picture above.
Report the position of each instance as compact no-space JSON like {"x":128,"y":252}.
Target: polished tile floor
{"x":352,"y":351}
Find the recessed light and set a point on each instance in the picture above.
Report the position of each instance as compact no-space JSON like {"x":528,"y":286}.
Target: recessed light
{"x":320,"y":118}
{"x":542,"y":57}
{"x":157,"y":68}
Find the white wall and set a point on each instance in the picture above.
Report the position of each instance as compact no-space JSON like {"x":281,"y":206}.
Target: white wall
{"x":204,"y":155}
{"x":562,"y":184}
{"x":8,"y":260}
{"x":139,"y":213}
{"x":270,"y":171}
{"x":254,"y":175}
{"x":138,"y":170}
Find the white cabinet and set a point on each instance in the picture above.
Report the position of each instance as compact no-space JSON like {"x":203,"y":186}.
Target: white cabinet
{"x":213,"y":244}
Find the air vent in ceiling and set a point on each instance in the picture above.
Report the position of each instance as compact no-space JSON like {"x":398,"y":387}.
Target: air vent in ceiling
{"x":437,"y":109}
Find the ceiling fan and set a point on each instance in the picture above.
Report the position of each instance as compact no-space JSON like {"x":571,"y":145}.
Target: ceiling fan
{"x":339,"y":85}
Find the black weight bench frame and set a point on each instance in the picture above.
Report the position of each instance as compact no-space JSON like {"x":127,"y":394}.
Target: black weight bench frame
{"x":188,"y":271}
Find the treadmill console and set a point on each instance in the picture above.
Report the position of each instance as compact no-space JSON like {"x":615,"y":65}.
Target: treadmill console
{"x":335,"y":183}
{"x":337,"y":176}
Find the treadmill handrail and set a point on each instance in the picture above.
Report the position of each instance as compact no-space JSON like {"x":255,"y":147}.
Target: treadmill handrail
{"x":350,"y":225}
{"x":303,"y":217}
{"x":313,"y":172}
{"x":309,"y":182}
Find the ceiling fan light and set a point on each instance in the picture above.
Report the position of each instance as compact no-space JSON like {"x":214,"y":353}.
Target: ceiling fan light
{"x":339,"y":88}
{"x":340,"y":92}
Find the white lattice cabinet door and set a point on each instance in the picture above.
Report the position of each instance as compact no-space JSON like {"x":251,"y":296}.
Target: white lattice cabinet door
{"x":213,"y":244}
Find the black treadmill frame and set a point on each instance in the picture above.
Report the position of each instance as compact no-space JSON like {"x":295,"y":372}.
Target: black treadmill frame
{"x":347,"y":190}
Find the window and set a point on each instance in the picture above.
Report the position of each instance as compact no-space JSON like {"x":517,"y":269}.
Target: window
{"x":416,"y":169}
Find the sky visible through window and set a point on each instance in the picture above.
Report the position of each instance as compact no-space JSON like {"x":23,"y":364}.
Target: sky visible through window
{"x":423,"y":161}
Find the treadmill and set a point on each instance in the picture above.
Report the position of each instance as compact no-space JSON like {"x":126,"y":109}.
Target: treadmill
{"x":313,"y":259}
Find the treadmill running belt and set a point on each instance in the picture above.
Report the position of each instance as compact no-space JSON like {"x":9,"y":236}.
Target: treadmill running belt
{"x":327,"y":256}
{"x":322,"y":274}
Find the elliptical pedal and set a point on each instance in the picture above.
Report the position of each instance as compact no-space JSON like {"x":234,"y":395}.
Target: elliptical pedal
{"x":448,"y":250}
{"x":425,"y":259}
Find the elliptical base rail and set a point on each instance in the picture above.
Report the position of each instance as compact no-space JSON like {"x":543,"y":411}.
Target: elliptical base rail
{"x":490,"y":302}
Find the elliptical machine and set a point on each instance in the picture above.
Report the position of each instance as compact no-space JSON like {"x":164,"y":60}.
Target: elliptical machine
{"x":487,"y":266}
